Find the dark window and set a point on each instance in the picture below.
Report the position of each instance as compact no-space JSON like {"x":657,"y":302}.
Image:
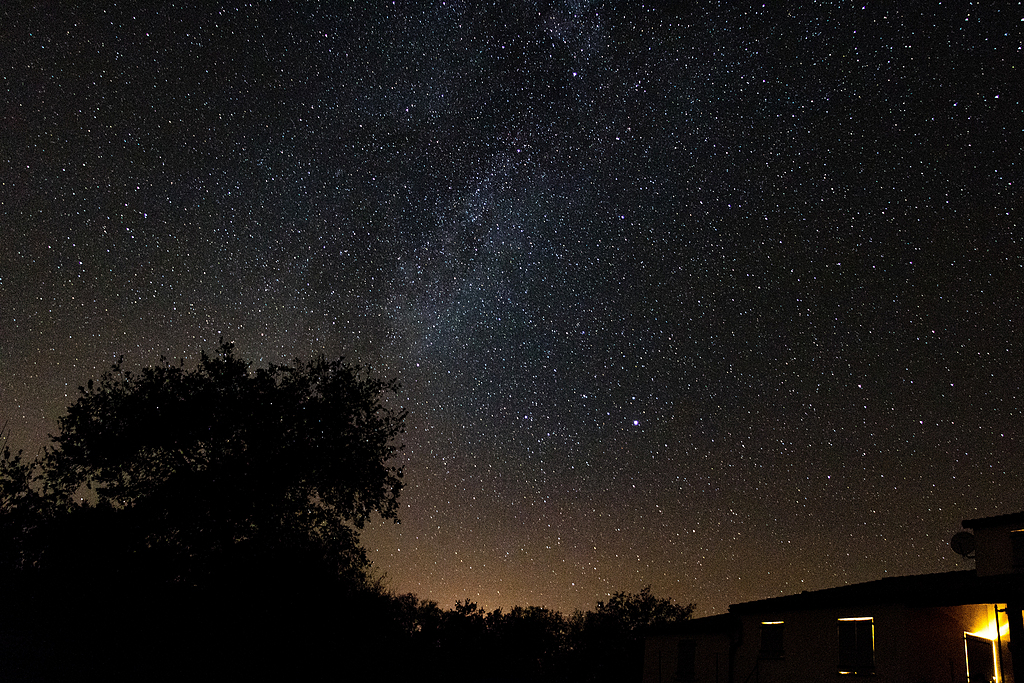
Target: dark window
{"x":771,"y":640}
{"x":686,"y":666}
{"x":1017,"y":548}
{"x":857,"y":645}
{"x":981,"y":663}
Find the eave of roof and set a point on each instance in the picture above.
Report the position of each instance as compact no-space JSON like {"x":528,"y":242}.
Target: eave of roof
{"x":999,"y":520}
{"x":946,"y":588}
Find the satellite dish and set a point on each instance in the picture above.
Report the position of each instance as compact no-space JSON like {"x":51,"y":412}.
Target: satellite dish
{"x":963,"y":544}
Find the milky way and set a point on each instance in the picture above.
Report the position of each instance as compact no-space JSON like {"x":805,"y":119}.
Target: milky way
{"x":727,"y":302}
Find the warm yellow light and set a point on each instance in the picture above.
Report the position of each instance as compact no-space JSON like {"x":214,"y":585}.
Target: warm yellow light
{"x":769,"y":623}
{"x":987,"y":628}
{"x":855,"y":618}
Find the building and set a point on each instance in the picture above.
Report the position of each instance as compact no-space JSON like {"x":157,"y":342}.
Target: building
{"x":935,"y":628}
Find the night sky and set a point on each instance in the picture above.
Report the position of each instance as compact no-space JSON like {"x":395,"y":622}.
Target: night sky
{"x":727,"y":302}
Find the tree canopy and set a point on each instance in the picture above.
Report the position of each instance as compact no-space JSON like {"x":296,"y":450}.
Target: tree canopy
{"x":466,"y":643}
{"x":195,"y":473}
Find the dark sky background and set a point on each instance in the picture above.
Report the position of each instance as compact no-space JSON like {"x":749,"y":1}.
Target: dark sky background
{"x":724,"y":301}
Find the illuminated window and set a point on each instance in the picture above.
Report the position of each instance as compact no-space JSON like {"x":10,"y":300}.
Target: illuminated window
{"x":771,"y":639}
{"x":686,"y":666}
{"x":857,"y":645}
{"x":981,"y":660}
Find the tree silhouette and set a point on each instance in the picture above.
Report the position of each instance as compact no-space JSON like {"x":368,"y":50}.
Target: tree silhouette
{"x":465,"y":643}
{"x":218,"y":468}
{"x":611,"y":638}
{"x":531,"y":643}
{"x":218,"y":506}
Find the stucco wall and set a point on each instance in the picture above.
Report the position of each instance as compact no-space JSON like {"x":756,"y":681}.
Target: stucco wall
{"x":911,"y":645}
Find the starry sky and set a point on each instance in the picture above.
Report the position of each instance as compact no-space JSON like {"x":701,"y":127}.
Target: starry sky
{"x":725,"y":300}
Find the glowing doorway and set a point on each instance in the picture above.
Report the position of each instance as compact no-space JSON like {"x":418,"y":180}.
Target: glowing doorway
{"x":981,"y":659}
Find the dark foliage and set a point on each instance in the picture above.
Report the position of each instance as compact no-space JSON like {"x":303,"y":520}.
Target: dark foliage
{"x":211,"y":511}
{"x":533,"y":643}
{"x":197,"y":475}
{"x":611,"y":638}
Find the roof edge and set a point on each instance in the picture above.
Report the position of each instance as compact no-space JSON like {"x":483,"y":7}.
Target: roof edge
{"x":997,"y":520}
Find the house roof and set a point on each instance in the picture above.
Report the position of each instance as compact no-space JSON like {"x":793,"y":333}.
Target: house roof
{"x":998,"y":520}
{"x":946,"y":588}
{"x":942,"y":589}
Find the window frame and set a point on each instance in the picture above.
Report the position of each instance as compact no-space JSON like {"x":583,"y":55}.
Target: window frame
{"x":686,"y":668}
{"x":773,"y":640}
{"x":855,"y":657}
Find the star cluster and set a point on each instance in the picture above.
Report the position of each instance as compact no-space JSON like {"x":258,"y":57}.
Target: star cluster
{"x":718,"y":299}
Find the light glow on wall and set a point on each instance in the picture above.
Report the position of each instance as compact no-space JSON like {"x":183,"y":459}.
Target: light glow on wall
{"x":986,"y":628}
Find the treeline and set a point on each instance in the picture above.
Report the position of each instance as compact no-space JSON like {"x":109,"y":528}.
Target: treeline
{"x":534,"y":643}
{"x":203,"y":524}
{"x":293,"y":626}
